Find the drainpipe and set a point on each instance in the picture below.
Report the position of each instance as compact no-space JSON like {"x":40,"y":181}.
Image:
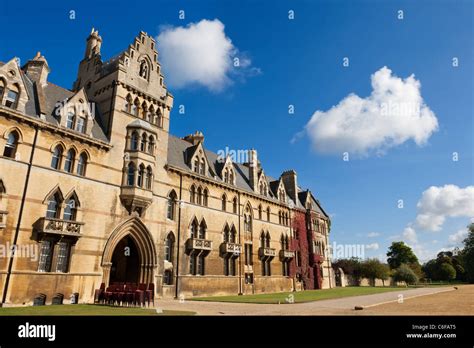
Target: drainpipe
{"x":20,"y":215}
{"x":240,"y":256}
{"x":178,"y":239}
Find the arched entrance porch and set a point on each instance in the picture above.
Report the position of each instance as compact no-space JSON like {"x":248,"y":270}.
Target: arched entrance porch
{"x":129,"y":254}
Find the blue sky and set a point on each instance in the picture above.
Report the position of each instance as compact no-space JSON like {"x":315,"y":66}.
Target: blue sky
{"x":299,"y":62}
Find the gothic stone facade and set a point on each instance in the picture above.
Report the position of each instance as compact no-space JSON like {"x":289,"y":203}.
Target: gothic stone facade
{"x":91,"y":180}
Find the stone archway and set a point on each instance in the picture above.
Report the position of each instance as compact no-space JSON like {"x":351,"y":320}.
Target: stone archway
{"x":133,"y":231}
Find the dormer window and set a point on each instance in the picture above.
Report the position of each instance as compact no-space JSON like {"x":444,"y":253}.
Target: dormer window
{"x":202,"y":169}
{"x":70,"y":120}
{"x":143,"y":69}
{"x":11,"y":99}
{"x":80,"y":125}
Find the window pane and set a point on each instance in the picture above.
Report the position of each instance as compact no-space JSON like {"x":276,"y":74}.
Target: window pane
{"x":63,"y":257}
{"x":46,"y":254}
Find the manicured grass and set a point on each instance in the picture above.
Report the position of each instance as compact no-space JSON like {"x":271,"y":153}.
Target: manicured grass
{"x":85,"y":309}
{"x":302,"y":296}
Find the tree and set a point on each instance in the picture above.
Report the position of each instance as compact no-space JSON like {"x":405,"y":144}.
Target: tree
{"x":447,"y":272}
{"x":374,"y":269}
{"x":399,"y":253}
{"x":405,"y":274}
{"x":468,"y":254}
{"x":352,"y":266}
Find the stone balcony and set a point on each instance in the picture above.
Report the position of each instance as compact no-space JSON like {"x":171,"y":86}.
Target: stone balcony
{"x":286,"y":254}
{"x":231,"y":248}
{"x":60,"y":227}
{"x":266,"y":252}
{"x":199,"y":245}
{"x":135,"y":198}
{"x":3,"y":218}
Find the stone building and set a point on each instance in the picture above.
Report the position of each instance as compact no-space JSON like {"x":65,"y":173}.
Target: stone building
{"x":95,"y":187}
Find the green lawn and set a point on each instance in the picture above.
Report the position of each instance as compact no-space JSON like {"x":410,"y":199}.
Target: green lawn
{"x":85,"y":309}
{"x":302,"y":296}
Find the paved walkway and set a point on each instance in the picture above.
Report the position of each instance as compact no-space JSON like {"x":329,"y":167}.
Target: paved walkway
{"x":324,"y":307}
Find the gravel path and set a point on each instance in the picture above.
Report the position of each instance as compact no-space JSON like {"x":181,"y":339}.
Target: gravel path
{"x":324,"y":307}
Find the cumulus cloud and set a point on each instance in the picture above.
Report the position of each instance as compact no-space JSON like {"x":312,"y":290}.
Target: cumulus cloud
{"x":409,"y":235}
{"x":200,"y":54}
{"x":373,"y":234}
{"x":393,"y":114}
{"x":438,"y":203}
{"x":458,"y":237}
{"x":373,"y":246}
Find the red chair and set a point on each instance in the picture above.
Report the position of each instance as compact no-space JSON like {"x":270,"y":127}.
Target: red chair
{"x":150,"y":294}
{"x":99,"y":293}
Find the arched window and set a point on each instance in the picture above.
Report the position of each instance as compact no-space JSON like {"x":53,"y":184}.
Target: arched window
{"x":11,"y":145}
{"x":194,"y":229}
{"x":202,"y":170}
{"x":267,"y":240}
{"x":148,"y":178}
{"x":56,"y":159}
{"x":144,"y":111}
{"x":205,"y":197}
{"x":169,"y":245}
{"x":196,"y":165}
{"x":141,"y":175}
{"x":233,"y":235}
{"x":262,"y":239}
{"x":226,"y":175}
{"x":268,"y":214}
{"x":2,"y":90}
{"x":82,"y":164}
{"x":143,"y":142}
{"x":70,"y":118}
{"x":134,"y":141}
{"x":234,"y":205}
{"x":159,"y":118}
{"x":151,"y":114}
{"x":248,"y":219}
{"x":192,"y":194}
{"x":151,"y":145}
{"x":11,"y":99}
{"x":80,"y":124}
{"x":131,"y":174}
{"x":226,"y":234}
{"x":171,"y":205}
{"x":128,"y":103}
{"x":202,"y":230}
{"x":70,"y":210}
{"x":69,"y":163}
{"x":135,"y":107}
{"x":231,"y":177}
{"x":260,"y":212}
{"x":224,"y":203}
{"x":54,"y":207}
{"x":199,"y":196}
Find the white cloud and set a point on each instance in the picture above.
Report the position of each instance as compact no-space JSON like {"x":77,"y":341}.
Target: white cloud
{"x":393,"y":114}
{"x":437,"y":203}
{"x":409,"y":234}
{"x":373,"y":234}
{"x":200,"y":54}
{"x":373,"y":246}
{"x":458,"y":237}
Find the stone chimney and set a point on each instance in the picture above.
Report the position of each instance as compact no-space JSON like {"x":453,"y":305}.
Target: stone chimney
{"x":253,"y":169}
{"x":195,"y":138}
{"x":94,"y":42}
{"x":37,"y":69}
{"x":291,"y":183}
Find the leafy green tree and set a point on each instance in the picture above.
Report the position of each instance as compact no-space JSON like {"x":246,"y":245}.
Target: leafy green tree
{"x":352,"y":266}
{"x":405,"y":274}
{"x":468,"y":254}
{"x":399,"y":253}
{"x":447,"y":271}
{"x":374,"y":269}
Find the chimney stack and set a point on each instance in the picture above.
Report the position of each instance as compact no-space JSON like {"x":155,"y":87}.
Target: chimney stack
{"x":253,"y":169}
{"x":195,"y":138}
{"x":291,"y":184}
{"x":37,"y":69}
{"x":94,"y":42}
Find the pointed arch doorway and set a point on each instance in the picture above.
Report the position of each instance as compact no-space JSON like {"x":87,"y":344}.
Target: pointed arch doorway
{"x":129,"y":254}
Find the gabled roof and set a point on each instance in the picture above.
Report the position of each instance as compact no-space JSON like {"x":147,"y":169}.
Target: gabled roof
{"x":179,"y":150}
